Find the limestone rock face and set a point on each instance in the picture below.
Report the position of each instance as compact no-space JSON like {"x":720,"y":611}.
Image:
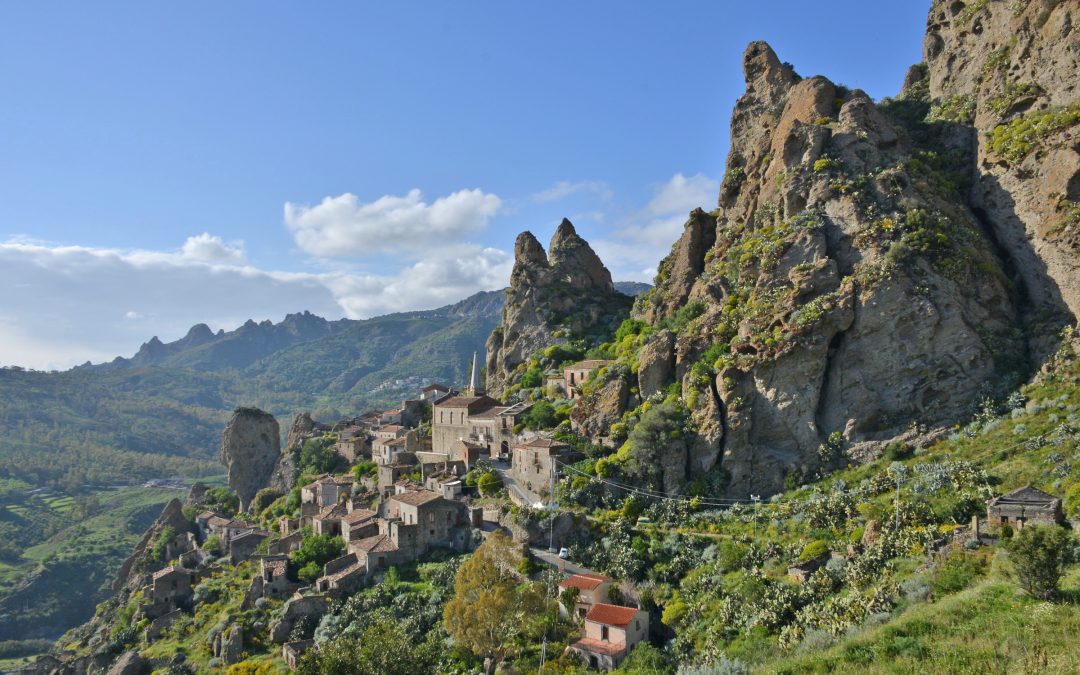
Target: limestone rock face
{"x":595,"y":413}
{"x":996,"y":68}
{"x":656,"y":364}
{"x":303,"y":428}
{"x":251,"y":451}
{"x":129,"y":663}
{"x":133,"y":571}
{"x":553,"y":295}
{"x":846,"y":285}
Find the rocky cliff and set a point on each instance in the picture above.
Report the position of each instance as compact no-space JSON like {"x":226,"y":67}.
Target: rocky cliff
{"x":553,"y":296}
{"x":855,"y":285}
{"x":251,"y":452}
{"x":1007,"y":76}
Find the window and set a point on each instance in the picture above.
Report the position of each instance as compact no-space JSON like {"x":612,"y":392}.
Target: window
{"x":604,"y":633}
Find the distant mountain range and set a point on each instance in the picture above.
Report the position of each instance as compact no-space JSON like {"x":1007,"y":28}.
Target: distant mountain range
{"x":161,"y":411}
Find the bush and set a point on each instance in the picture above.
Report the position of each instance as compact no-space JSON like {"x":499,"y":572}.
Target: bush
{"x":167,"y":534}
{"x":488,"y":484}
{"x":957,"y":573}
{"x":813,"y":550}
{"x":1039,"y":554}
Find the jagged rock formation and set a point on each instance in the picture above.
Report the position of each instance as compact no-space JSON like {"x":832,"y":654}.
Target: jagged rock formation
{"x":843,"y":285}
{"x":1008,"y":74}
{"x":565,"y":292}
{"x":251,"y":451}
{"x":132,"y":573}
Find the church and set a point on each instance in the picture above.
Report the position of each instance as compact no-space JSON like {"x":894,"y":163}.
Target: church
{"x":470,"y":424}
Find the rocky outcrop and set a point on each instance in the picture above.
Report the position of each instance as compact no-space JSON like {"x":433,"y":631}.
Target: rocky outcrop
{"x":303,"y":428}
{"x":1007,"y":76}
{"x":251,"y":451}
{"x":656,"y":364}
{"x":132,"y":573}
{"x":846,"y":286}
{"x":553,"y":296}
{"x":129,"y":663}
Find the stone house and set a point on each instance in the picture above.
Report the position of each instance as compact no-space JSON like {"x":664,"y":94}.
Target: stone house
{"x":210,"y":523}
{"x":1023,"y":506}
{"x":531,"y":464}
{"x":447,"y":484}
{"x":342,"y":575}
{"x":392,"y":416}
{"x":610,"y":633}
{"x":358,"y":524}
{"x":420,"y":520}
{"x":477,"y":419}
{"x":433,"y":392}
{"x":170,"y":589}
{"x":287,"y":544}
{"x":592,"y":589}
{"x":391,"y":474}
{"x":292,"y":651}
{"x":327,"y":490}
{"x":353,"y":442}
{"x":576,"y":374}
{"x":328,"y":521}
{"x":469,"y":453}
{"x":242,"y":546}
{"x":377,"y":553}
{"x":274,"y":570}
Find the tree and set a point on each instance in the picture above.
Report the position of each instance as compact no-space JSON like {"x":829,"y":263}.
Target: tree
{"x":660,"y":426}
{"x":541,"y":416}
{"x":488,"y":484}
{"x":314,"y":552}
{"x":644,"y":658}
{"x":494,"y":609}
{"x":1039,"y":554}
{"x":384,"y":648}
{"x":316,"y":456}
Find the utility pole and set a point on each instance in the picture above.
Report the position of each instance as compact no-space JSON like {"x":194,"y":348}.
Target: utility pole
{"x":757,"y":500}
{"x":897,"y":521}
{"x":551,"y":507}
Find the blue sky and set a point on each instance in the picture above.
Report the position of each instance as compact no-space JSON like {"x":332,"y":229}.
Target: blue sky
{"x":163,"y":164}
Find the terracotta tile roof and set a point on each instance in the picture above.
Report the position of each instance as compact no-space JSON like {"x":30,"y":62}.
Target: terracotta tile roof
{"x":261,"y":534}
{"x":358,"y":516}
{"x":436,"y":387}
{"x":218,"y":521}
{"x":599,"y":646}
{"x":416,"y":498}
{"x":397,"y":442}
{"x":239,"y":525}
{"x":481,"y":402}
{"x":171,"y":569}
{"x":585,"y":582}
{"x":390,"y":428}
{"x":348,"y":571}
{"x":543,"y":443}
{"x":380,"y":543}
{"x":588,"y":364}
{"x":612,"y":615}
{"x":206,"y":515}
{"x":333,"y":511}
{"x":474,"y":446}
{"x":278,"y":565}
{"x":1026,"y":495}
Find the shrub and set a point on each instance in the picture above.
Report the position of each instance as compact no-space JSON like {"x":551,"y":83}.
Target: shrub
{"x":1039,"y":554}
{"x":957,"y":573}
{"x":488,"y":484}
{"x":813,"y":550}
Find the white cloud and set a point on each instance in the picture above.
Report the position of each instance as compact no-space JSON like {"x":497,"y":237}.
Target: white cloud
{"x":564,"y":189}
{"x":637,"y":245}
{"x":207,"y":248}
{"x":345,"y":226}
{"x":70,"y":304}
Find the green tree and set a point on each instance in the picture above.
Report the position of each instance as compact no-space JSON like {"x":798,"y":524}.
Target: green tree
{"x":488,"y":484}
{"x":314,"y":552}
{"x":385,"y":647}
{"x":495,"y":611}
{"x":541,"y":416}
{"x":317,"y":456}
{"x":1039,"y":554}
{"x":644,"y":658}
{"x":658,"y":428}
{"x":167,"y":534}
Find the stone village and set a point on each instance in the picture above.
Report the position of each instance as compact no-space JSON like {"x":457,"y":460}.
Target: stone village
{"x":417,"y":501}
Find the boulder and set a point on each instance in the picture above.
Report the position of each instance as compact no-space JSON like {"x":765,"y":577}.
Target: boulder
{"x":251,"y":451}
{"x":656,"y":364}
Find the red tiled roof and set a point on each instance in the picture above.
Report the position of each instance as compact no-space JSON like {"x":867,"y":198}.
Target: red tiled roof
{"x":434,"y":387}
{"x":359,"y":515}
{"x":599,"y":646}
{"x":543,"y":443}
{"x":416,"y":498}
{"x":585,"y":582}
{"x":612,"y":615}
{"x":380,"y":543}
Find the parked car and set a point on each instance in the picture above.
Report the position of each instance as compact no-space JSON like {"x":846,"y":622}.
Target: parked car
{"x":564,"y":553}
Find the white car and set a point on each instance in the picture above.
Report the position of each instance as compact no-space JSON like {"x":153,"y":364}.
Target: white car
{"x":564,"y":553}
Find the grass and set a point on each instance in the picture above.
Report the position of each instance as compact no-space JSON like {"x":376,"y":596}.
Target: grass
{"x":57,"y":582}
{"x":989,"y":628}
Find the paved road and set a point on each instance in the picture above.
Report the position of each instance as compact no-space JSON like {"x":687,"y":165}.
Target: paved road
{"x":558,"y":563}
